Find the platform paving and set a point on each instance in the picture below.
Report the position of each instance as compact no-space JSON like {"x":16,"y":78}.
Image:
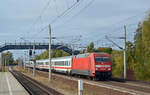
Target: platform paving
{"x":10,"y":86}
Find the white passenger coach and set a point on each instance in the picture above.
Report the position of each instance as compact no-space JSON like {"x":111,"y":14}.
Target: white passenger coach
{"x":61,"y":64}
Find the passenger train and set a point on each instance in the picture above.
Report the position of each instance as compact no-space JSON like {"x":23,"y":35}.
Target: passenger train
{"x":93,"y":65}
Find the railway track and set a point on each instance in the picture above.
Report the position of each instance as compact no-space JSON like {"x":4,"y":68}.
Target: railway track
{"x":32,"y":86}
{"x":134,"y":87}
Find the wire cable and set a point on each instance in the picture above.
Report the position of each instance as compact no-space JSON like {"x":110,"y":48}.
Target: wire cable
{"x":59,"y":16}
{"x":39,"y":17}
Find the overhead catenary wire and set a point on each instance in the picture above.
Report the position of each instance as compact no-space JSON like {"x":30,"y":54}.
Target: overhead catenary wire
{"x":119,"y":29}
{"x":59,"y":16}
{"x":78,"y":13}
{"x":64,"y":12}
{"x":44,"y":28}
{"x":119,"y":21}
{"x":39,"y":17}
{"x":68,"y":11}
{"x":56,"y":7}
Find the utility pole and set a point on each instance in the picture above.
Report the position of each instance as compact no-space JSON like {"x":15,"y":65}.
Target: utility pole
{"x":72,"y":50}
{"x":34,"y":62}
{"x":125,"y":72}
{"x":124,"y":50}
{"x":50,"y":73}
{"x":24,"y":59}
{"x":4,"y":63}
{"x":28,"y":59}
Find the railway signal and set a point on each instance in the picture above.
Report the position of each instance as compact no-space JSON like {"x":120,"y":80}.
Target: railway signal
{"x":30,"y":52}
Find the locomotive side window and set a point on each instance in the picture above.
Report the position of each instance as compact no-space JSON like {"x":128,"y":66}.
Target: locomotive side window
{"x":101,"y":59}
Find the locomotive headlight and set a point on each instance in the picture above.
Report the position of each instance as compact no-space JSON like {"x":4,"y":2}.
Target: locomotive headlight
{"x":109,"y":68}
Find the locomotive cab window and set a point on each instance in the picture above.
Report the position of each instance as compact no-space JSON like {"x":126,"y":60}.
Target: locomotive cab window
{"x":101,"y":59}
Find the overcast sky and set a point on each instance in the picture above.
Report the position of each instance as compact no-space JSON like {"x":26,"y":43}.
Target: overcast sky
{"x":19,"y":18}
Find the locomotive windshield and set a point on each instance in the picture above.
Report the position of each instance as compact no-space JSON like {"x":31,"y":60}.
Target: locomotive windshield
{"x":101,"y":59}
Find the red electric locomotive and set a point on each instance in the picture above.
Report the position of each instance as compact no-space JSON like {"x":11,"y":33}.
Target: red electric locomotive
{"x":94,"y":65}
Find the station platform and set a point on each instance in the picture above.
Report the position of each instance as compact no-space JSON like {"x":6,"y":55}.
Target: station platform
{"x":10,"y":86}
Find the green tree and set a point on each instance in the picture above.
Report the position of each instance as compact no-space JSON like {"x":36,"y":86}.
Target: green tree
{"x":90,"y":48}
{"x":117,"y":63}
{"x":104,"y":49}
{"x":142,"y":50}
{"x":130,"y":55}
{"x":8,"y":58}
{"x":55,"y":53}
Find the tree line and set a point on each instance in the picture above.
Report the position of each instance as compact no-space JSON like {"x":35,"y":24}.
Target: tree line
{"x":7,"y":58}
{"x":139,"y":51}
{"x":138,"y":54}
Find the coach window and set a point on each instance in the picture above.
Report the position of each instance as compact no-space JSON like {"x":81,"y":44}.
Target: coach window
{"x":59,"y":63}
{"x":64,"y":63}
{"x":55,"y":63}
{"x":67,"y":63}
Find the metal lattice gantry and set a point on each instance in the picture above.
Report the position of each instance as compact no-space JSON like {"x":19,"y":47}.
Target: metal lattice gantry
{"x":37,"y":45}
